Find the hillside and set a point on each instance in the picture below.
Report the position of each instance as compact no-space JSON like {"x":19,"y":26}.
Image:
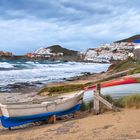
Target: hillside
{"x":58,"y":48}
{"x":130,"y":39}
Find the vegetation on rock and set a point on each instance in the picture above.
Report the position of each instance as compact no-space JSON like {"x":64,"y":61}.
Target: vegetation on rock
{"x":58,"y":48}
{"x":125,"y":65}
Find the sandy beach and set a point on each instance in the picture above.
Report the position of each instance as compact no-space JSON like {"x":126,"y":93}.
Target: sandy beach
{"x":124,"y":125}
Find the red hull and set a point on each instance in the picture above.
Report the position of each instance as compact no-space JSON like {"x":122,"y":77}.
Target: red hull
{"x":114,"y":83}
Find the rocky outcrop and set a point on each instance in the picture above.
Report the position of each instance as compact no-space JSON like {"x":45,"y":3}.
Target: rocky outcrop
{"x":54,"y":53}
{"x":9,"y":54}
{"x":66,"y":52}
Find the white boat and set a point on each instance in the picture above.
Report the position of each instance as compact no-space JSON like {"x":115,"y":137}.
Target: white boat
{"x":14,"y":114}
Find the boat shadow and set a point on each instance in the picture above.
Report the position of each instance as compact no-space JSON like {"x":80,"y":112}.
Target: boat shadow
{"x":41,"y":124}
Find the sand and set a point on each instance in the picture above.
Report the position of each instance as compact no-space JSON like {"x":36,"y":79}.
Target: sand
{"x":124,"y":125}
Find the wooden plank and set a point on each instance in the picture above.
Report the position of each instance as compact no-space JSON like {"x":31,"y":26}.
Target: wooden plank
{"x":96,"y":101}
{"x":98,"y":98}
{"x":96,"y":106}
{"x":0,"y":112}
{"x":109,"y":105}
{"x":52,"y":119}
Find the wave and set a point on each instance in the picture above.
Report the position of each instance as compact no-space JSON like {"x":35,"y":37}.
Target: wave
{"x":6,"y":65}
{"x":39,"y":65}
{"x":44,"y":72}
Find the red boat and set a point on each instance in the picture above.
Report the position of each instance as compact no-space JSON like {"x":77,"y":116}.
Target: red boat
{"x":127,"y":80}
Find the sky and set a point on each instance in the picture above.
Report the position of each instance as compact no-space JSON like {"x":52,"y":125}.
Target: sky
{"x":26,"y":25}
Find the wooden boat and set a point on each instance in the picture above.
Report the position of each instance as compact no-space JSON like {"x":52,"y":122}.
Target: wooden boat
{"x":127,"y":80}
{"x":14,"y":114}
{"x":114,"y":91}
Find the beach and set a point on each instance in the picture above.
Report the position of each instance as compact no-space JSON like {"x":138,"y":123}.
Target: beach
{"x":123,"y":125}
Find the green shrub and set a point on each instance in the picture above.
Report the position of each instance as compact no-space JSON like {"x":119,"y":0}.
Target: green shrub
{"x":109,"y":98}
{"x":84,"y":106}
{"x":128,"y":101}
{"x":125,"y":101}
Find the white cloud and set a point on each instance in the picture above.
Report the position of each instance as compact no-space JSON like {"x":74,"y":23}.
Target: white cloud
{"x":69,"y":23}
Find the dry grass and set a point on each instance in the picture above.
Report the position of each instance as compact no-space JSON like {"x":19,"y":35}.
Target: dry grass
{"x":131,"y":101}
{"x":62,"y":89}
{"x":126,"y":64}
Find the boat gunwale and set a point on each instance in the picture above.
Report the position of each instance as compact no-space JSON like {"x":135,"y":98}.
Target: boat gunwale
{"x":19,"y":106}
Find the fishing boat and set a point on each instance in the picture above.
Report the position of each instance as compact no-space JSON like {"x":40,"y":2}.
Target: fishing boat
{"x":15,"y":114}
{"x":122,"y":81}
{"x":116,"y":88}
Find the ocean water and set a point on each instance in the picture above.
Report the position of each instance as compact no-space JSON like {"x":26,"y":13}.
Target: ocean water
{"x":42,"y":72}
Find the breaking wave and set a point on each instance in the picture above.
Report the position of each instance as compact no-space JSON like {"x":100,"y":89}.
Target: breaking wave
{"x":44,"y":71}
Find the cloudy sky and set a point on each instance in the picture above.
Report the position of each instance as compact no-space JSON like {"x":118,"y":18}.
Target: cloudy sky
{"x":76,"y":24}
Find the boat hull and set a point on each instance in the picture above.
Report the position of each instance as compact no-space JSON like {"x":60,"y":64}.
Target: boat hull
{"x":115,"y":91}
{"x":16,"y":121}
{"x":21,"y":113}
{"x":122,"y":81}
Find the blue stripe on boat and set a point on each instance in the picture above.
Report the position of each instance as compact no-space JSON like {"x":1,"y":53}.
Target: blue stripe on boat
{"x":16,"y":121}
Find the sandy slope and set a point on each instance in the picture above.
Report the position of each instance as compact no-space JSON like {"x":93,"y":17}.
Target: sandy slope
{"x":124,"y":125}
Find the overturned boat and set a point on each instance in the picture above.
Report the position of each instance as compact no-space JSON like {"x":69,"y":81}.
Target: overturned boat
{"x":116,"y":88}
{"x":122,"y":81}
{"x":15,"y":114}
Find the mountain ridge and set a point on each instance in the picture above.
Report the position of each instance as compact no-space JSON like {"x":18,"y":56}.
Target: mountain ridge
{"x":65,"y":51}
{"x":130,"y":39}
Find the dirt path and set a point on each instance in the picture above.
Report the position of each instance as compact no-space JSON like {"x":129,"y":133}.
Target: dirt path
{"x":124,"y":125}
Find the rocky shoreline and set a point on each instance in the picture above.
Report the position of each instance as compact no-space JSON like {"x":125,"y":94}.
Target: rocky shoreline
{"x":23,"y":93}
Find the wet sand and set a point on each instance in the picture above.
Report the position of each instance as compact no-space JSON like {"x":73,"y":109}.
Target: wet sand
{"x":124,"y":125}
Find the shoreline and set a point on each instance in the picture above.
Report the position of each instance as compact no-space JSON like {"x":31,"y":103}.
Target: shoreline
{"x":26,"y":95}
{"x":33,"y":94}
{"x":40,"y":74}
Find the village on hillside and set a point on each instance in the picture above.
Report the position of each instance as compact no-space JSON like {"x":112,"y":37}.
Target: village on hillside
{"x":103,"y":54}
{"x":110,"y":52}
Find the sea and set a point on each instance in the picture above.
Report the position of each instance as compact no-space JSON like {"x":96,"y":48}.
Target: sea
{"x":16,"y":74}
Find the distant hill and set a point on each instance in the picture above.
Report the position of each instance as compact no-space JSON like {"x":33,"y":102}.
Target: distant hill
{"x":8,"y":54}
{"x":135,"y":38}
{"x":58,"y":48}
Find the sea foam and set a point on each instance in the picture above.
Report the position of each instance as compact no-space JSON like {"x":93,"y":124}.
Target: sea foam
{"x":45,"y":72}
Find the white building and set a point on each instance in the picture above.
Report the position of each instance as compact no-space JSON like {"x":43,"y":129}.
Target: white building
{"x":42,"y":51}
{"x":109,"y":52}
